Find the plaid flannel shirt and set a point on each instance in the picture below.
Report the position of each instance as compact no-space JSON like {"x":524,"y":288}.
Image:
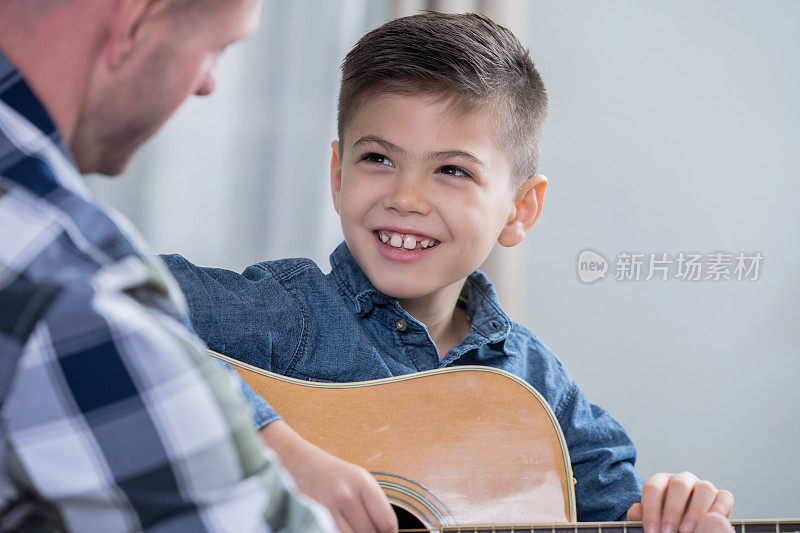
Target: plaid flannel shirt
{"x":112,"y":416}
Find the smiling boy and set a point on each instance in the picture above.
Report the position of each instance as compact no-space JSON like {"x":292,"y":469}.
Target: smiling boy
{"x":440,"y":121}
{"x":423,"y":194}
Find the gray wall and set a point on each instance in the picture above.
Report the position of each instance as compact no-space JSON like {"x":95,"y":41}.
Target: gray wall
{"x":673,"y":127}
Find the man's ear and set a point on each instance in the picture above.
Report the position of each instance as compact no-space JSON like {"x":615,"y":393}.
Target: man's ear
{"x":124,"y":29}
{"x":528,"y":203}
{"x":336,"y":173}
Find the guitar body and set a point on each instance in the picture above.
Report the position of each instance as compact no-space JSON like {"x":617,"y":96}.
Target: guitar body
{"x":453,"y":447}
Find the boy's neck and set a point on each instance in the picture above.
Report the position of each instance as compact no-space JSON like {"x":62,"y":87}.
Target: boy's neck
{"x":447,"y":324}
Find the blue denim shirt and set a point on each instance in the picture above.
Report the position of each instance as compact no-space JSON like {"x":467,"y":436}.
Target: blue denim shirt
{"x":289,"y":317}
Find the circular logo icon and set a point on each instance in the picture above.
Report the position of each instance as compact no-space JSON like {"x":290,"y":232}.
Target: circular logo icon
{"x":591,"y":266}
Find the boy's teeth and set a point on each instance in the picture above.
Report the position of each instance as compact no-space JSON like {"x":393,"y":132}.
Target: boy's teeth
{"x":409,"y":242}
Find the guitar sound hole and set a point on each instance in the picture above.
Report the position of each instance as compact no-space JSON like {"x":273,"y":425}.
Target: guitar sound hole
{"x":407,"y":520}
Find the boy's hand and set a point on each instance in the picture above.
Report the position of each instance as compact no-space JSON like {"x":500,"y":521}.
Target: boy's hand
{"x":676,"y":502}
{"x":350,"y":493}
{"x":714,"y":523}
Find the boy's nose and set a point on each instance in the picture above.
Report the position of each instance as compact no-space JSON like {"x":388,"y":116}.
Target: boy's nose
{"x":407,"y":196}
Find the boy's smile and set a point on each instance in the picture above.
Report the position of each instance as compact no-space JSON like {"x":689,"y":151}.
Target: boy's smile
{"x":423,"y":193}
{"x":407,"y":241}
{"x":402,"y":245}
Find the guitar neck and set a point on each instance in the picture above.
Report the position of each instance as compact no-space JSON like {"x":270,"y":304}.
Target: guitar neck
{"x":740,"y":526}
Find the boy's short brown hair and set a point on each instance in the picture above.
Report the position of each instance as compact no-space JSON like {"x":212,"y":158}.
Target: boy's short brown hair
{"x":467,"y":58}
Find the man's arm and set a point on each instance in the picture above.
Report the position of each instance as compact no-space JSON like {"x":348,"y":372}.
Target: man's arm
{"x":116,"y":419}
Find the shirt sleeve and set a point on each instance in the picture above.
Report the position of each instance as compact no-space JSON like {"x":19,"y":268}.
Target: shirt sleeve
{"x":116,"y":419}
{"x":262,"y":412}
{"x":603,"y":458}
{"x":206,"y":296}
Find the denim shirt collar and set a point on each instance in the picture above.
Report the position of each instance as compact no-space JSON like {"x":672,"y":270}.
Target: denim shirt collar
{"x":354,"y":283}
{"x":489,"y":322}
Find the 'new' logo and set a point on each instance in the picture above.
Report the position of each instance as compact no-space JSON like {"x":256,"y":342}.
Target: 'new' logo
{"x":591,"y":266}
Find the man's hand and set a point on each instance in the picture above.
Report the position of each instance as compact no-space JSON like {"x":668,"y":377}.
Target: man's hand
{"x":676,"y":502}
{"x":349,"y":492}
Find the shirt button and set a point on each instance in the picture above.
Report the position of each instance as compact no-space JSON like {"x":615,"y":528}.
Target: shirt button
{"x":401,"y":324}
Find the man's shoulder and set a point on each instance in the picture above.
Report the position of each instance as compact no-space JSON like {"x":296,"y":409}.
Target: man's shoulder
{"x":39,"y":261}
{"x":31,"y":229}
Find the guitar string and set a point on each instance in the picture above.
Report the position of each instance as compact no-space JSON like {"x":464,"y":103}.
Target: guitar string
{"x":538,"y":529}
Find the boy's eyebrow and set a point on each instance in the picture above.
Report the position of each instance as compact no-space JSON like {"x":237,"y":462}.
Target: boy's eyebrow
{"x":431,"y":156}
{"x":448,"y":154}
{"x":386,"y":145}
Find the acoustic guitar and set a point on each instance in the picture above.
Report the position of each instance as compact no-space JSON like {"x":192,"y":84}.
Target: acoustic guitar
{"x":458,"y":449}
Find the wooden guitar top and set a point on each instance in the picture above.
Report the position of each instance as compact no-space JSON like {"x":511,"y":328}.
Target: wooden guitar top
{"x":454,"y":446}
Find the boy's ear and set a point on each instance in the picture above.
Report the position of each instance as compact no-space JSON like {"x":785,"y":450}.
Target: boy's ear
{"x":528,"y":203}
{"x":336,"y":174}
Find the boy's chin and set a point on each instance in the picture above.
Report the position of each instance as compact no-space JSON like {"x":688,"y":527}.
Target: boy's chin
{"x":400,"y":290}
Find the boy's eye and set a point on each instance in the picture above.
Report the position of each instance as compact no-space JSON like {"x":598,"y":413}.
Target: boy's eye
{"x":455,"y":171}
{"x":377,"y":158}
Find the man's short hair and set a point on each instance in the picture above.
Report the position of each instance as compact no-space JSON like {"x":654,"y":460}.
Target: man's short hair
{"x":467,"y":58}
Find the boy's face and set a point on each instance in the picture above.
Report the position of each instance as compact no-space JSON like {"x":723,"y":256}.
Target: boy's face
{"x":423,"y":194}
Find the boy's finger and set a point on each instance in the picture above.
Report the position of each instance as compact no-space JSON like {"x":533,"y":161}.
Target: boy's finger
{"x":723,"y":504}
{"x":678,"y":492}
{"x":635,"y":512}
{"x":357,"y":517}
{"x":341,"y":523}
{"x":714,"y":523}
{"x":653,"y":494}
{"x":700,"y":502}
{"x":379,"y":509}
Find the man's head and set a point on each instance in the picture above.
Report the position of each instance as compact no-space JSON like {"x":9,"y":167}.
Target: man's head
{"x":111,"y":72}
{"x":440,"y":120}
